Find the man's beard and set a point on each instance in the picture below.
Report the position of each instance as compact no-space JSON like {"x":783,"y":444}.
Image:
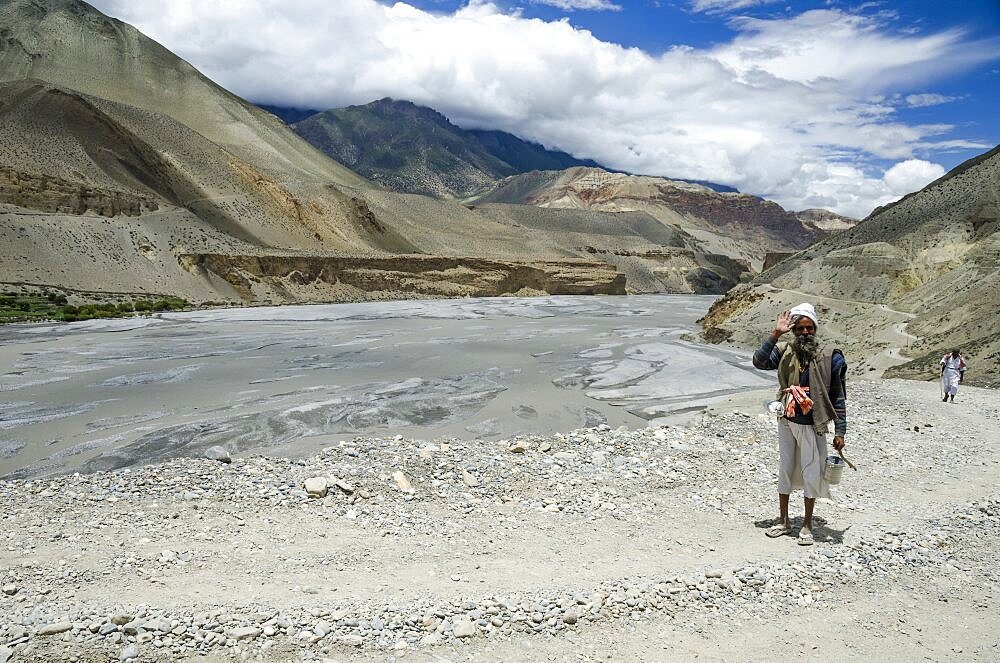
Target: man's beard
{"x":805,"y":346}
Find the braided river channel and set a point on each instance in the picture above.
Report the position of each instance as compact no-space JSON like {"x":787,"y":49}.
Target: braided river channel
{"x":108,"y":394}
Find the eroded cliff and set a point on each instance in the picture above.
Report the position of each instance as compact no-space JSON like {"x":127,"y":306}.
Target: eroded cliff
{"x":291,"y":278}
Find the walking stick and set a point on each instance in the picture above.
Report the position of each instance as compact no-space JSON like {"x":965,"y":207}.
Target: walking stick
{"x":849,"y":463}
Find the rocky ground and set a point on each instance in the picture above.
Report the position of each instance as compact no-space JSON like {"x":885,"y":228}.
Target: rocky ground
{"x":599,"y":544}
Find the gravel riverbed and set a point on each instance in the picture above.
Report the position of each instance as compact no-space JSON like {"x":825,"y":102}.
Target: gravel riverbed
{"x":593,"y":544}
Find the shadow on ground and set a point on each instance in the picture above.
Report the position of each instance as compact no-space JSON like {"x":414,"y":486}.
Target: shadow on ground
{"x":822,"y":532}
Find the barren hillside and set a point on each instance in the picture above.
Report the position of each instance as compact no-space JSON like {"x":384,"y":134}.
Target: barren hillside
{"x":741,"y":226}
{"x":914,"y":279}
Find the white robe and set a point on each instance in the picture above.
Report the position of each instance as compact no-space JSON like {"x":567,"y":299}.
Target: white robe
{"x":802,"y":453}
{"x":952,"y":374}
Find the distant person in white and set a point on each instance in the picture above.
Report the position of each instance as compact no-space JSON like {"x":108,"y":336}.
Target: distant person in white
{"x":952,"y":372}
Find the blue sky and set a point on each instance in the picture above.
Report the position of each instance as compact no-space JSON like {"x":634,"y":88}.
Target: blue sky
{"x":812,"y":104}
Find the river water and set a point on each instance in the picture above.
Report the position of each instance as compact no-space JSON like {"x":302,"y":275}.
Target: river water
{"x":106,"y":394}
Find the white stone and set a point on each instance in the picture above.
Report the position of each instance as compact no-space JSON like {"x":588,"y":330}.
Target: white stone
{"x":402,"y":482}
{"x":464,"y":628}
{"x":53,"y":629}
{"x":244,"y":633}
{"x":316,"y":486}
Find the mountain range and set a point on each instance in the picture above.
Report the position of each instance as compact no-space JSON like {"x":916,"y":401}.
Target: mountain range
{"x":414,"y":149}
{"x":126,"y":172}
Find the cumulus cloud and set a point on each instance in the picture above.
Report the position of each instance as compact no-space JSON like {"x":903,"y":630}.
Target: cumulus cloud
{"x":570,"y":5}
{"x":910,"y":175}
{"x":850,"y":190}
{"x":791,"y":109}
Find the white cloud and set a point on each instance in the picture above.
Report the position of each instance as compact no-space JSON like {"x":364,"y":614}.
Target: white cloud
{"x":927,"y":99}
{"x":910,"y":175}
{"x":726,"y":6}
{"x":848,"y":189}
{"x":791,"y":109}
{"x":570,"y":5}
{"x":825,"y":47}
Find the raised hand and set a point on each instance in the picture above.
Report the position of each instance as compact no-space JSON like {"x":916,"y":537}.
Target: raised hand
{"x":783,"y":324}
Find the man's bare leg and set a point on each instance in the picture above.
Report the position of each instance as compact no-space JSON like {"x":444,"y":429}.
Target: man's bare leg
{"x":807,"y":520}
{"x":781,"y":528}
{"x":783,"y":509}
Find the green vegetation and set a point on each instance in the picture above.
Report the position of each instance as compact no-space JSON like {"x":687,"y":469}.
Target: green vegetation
{"x":15,"y":307}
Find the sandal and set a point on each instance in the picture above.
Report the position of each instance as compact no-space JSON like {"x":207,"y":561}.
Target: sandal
{"x":805,"y":538}
{"x":775,"y":531}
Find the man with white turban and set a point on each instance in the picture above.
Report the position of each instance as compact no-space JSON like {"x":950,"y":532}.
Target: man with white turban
{"x":804,"y":366}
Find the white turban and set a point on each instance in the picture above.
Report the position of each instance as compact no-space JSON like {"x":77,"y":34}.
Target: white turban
{"x":805,"y":309}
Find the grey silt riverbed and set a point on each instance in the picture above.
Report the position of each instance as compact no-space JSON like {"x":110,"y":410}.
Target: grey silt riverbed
{"x":107,"y":394}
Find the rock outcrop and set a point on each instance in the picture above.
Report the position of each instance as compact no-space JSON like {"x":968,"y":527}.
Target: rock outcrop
{"x":824,"y":219}
{"x":46,"y":193}
{"x":320,"y":278}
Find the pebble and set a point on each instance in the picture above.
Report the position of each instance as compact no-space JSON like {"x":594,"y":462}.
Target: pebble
{"x":402,"y":482}
{"x":244,"y":633}
{"x":352,"y":640}
{"x":55,"y":628}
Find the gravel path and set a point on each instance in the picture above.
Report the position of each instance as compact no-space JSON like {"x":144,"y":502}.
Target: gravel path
{"x":591,"y":545}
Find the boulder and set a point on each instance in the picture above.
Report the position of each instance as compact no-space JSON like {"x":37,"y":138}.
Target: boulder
{"x":218,"y":453}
